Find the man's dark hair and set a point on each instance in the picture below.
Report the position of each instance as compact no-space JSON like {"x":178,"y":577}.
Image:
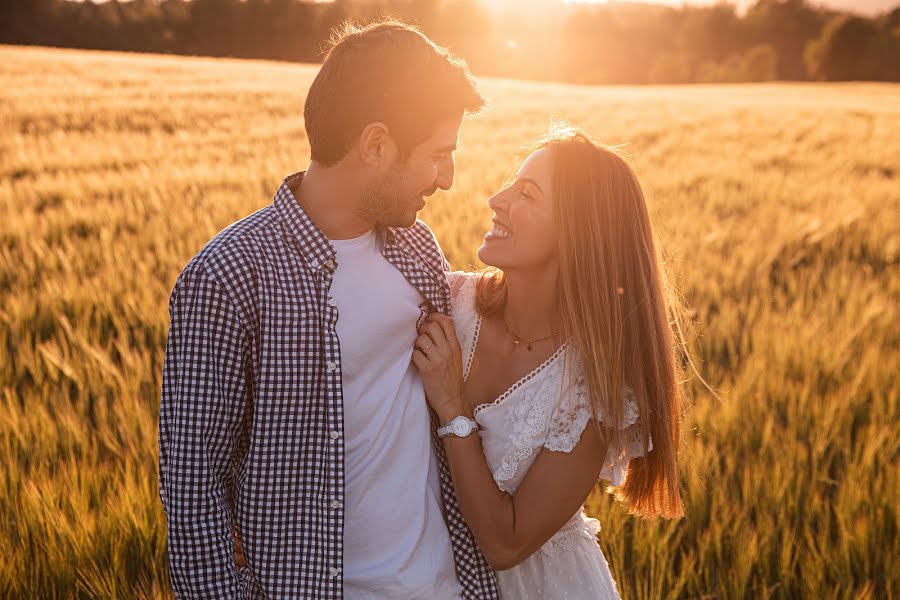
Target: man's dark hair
{"x":387,"y":72}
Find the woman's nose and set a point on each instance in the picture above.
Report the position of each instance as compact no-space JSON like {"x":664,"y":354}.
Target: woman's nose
{"x":498,"y":202}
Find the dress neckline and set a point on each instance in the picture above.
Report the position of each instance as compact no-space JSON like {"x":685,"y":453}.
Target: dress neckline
{"x":518,"y":383}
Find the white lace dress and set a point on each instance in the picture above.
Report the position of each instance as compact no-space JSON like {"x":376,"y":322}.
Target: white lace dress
{"x":527,"y":418}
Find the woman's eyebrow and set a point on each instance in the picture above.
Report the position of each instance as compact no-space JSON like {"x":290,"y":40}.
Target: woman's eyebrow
{"x":529,"y":180}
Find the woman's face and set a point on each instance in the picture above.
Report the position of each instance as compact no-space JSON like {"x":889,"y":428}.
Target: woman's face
{"x":524,"y":232}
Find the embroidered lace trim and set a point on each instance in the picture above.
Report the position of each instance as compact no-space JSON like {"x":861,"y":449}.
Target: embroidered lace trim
{"x":464,"y":314}
{"x":522,"y":380}
{"x":574,"y":413}
{"x":472,"y":347}
{"x":564,"y":539}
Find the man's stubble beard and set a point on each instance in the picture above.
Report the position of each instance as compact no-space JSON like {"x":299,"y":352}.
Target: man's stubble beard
{"x":382,"y":205}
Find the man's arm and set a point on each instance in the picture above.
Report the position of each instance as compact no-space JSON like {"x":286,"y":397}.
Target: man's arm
{"x":204,"y":397}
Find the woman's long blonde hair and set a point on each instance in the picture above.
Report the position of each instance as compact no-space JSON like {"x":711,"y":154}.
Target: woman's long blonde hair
{"x":616,"y":306}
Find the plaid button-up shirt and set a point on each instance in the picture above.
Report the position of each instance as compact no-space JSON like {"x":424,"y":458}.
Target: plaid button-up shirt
{"x":251,"y":426}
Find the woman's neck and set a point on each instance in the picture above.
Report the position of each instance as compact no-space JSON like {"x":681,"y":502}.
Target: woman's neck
{"x":532,"y":307}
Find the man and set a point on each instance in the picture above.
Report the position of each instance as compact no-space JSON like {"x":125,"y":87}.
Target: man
{"x":290,"y":408}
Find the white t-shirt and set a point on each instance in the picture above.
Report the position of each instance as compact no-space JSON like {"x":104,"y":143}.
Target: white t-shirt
{"x":396,"y":543}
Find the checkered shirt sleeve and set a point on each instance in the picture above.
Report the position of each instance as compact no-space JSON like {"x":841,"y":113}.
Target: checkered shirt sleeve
{"x":205,"y":391}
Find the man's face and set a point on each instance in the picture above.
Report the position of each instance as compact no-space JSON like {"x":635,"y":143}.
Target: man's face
{"x":400,"y":193}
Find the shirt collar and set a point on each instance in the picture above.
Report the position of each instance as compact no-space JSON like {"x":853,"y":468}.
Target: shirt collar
{"x":316,"y":248}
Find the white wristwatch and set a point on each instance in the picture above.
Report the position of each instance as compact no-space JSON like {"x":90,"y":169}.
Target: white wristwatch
{"x":458,"y":426}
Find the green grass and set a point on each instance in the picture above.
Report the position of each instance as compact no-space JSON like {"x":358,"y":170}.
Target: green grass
{"x":777,"y":206}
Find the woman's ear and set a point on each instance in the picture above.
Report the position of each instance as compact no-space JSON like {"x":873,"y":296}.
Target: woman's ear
{"x":376,"y":146}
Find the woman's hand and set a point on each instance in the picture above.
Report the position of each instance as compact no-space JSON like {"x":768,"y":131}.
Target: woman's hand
{"x":438,"y":357}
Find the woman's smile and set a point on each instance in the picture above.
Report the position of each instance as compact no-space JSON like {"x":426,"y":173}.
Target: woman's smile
{"x":498,"y":232}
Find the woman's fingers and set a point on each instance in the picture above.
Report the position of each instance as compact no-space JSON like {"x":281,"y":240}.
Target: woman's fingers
{"x":434,"y":331}
{"x":446,"y":325}
{"x":424,"y":343}
{"x":419,"y":359}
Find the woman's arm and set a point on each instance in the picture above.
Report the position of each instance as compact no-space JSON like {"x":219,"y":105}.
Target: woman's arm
{"x":508,"y":527}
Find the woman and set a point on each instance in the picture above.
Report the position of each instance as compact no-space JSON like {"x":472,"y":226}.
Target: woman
{"x":565,"y":358}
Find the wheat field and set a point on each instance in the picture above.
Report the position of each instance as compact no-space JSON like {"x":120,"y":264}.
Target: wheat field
{"x":778,"y":207}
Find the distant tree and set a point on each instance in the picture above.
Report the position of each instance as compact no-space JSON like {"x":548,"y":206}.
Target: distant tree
{"x":592,"y":42}
{"x":760,"y":63}
{"x":891,"y":21}
{"x":883,"y":58}
{"x":616,"y":43}
{"x":884,"y":52}
{"x":787,"y":25}
{"x":843,"y":51}
{"x":29,"y":21}
{"x":711,"y":33}
{"x":466,"y":28}
{"x":16,"y":17}
{"x":729,"y":70}
{"x":214,"y":27}
{"x":671,"y":68}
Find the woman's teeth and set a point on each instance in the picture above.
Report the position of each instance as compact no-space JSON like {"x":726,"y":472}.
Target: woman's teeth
{"x":498,"y":231}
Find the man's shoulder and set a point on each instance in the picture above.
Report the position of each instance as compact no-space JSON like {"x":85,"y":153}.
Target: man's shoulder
{"x":232,"y":256}
{"x":241,"y":242}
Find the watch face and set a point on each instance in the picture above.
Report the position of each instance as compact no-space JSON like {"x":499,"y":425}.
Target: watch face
{"x":461,"y":427}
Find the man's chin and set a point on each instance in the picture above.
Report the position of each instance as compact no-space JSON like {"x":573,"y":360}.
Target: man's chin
{"x":405,"y":220}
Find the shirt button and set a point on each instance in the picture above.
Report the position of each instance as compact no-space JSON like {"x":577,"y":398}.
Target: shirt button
{"x":335,"y":435}
{"x":332,"y":366}
{"x":332,"y":302}
{"x":329,"y":263}
{"x":335,"y":504}
{"x":333,"y":571}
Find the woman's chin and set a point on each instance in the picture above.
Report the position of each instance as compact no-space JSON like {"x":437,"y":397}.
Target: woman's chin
{"x":489,"y":256}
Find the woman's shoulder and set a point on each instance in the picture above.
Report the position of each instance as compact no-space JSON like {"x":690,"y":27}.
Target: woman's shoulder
{"x":460,"y":280}
{"x":460,"y":277}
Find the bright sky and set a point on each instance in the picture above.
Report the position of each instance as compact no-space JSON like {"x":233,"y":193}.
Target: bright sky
{"x":868,"y":7}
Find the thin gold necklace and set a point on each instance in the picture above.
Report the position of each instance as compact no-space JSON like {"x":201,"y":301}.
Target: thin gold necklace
{"x":528,"y":343}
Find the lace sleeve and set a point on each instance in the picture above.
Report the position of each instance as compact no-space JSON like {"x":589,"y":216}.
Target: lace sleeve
{"x":573,"y":414}
{"x":456,"y":279}
{"x":631,"y":443}
{"x":569,"y":419}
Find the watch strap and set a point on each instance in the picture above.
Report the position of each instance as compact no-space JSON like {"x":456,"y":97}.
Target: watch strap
{"x":447,"y":430}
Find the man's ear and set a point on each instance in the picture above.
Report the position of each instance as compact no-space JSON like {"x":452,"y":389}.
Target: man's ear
{"x":376,"y":146}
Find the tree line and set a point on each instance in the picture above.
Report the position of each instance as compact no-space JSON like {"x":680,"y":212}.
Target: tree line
{"x":541,"y":39}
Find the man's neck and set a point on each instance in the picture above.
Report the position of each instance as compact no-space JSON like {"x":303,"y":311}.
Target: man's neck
{"x":330,"y":198}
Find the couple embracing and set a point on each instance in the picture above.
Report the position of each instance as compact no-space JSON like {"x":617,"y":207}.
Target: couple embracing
{"x":342,"y":417}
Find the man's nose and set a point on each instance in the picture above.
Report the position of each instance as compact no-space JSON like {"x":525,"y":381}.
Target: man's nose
{"x":444,"y":178}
